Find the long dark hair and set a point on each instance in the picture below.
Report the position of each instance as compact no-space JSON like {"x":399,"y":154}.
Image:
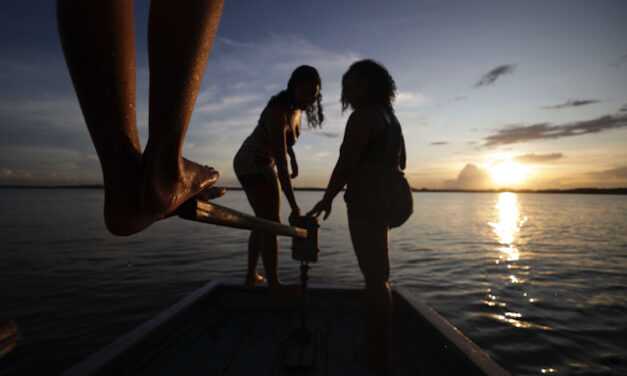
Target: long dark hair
{"x":285,"y":98}
{"x":380,"y":83}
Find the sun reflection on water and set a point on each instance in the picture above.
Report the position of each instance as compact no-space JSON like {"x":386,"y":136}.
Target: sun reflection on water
{"x":508,"y":226}
{"x":507,"y":230}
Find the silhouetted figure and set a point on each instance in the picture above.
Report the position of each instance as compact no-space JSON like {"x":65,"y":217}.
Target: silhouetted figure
{"x":98,"y":40}
{"x":268,"y":146}
{"x":369,"y":90}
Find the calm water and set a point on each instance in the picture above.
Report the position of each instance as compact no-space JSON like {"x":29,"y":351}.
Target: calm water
{"x":537,"y":280}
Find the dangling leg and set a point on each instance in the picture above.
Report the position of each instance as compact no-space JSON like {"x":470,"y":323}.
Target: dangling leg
{"x":98,"y":40}
{"x":180,"y":35}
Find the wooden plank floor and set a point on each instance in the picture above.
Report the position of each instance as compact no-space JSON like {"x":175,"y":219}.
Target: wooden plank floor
{"x":236,"y":332}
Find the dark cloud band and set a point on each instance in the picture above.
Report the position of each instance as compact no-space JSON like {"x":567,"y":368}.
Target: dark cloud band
{"x":537,"y":158}
{"x":542,"y":131}
{"x":490,"y":77}
{"x":572,"y":103}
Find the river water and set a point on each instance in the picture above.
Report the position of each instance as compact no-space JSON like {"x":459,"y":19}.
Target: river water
{"x":537,"y":280}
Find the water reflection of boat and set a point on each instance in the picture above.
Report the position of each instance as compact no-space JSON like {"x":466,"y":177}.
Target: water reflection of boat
{"x":223,"y":329}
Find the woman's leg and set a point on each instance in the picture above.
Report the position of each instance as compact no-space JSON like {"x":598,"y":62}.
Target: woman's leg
{"x":254,"y":251}
{"x":98,"y":40}
{"x":180,"y":35}
{"x":265,"y":198}
{"x":370,"y":241}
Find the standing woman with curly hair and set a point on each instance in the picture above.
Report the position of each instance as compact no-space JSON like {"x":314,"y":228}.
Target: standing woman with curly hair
{"x":372,"y":150}
{"x":268,"y":146}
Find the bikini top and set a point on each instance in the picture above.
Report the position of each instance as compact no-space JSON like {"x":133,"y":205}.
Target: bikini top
{"x":259,"y":140}
{"x":290,"y":136}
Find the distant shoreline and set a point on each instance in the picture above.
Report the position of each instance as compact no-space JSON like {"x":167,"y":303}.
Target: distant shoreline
{"x":607,"y":191}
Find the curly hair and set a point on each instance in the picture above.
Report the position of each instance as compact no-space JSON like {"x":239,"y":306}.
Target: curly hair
{"x":285,"y":98}
{"x":380,"y":83}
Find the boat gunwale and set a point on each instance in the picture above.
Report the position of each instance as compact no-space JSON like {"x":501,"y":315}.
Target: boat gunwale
{"x":470,"y":350}
{"x":109,"y":352}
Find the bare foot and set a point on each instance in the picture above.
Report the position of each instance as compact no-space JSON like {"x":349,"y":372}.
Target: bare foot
{"x":211,"y":193}
{"x":281,"y":291}
{"x":368,"y":356}
{"x":254,"y":281}
{"x":162,"y":192}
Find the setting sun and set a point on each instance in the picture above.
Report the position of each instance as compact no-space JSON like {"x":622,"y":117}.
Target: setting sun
{"x":507,"y":173}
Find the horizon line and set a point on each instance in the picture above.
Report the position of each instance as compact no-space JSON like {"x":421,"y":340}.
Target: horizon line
{"x":582,"y":190}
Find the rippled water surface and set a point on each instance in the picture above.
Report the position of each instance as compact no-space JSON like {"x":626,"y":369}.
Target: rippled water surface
{"x":537,"y":280}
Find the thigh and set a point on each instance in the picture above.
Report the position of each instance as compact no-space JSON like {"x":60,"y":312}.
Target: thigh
{"x":370,"y":241}
{"x":265,"y":198}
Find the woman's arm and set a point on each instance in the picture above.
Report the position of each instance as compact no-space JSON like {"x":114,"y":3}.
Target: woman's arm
{"x":358,"y":130}
{"x":293,"y":163}
{"x":276,"y":122}
{"x":403,"y":161}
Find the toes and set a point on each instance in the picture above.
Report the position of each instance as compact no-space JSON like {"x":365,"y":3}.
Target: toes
{"x":211,"y":193}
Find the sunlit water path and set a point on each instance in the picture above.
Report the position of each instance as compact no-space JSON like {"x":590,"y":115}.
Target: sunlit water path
{"x":538,"y":280}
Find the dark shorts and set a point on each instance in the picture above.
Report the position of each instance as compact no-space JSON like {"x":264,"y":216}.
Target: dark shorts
{"x":252,"y":168}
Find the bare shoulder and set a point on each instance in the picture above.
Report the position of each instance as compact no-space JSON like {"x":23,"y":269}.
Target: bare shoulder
{"x":274,"y":116}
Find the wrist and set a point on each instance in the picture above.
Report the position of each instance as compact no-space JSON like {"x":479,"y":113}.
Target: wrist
{"x":327,"y":198}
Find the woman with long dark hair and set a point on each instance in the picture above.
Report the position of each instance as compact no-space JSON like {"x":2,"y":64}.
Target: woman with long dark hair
{"x":268,"y":146}
{"x":372,"y":156}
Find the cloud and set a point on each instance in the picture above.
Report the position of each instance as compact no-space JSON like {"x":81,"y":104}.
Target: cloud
{"x":572,"y":103}
{"x":470,"y":177}
{"x":408,"y":99}
{"x":60,"y":112}
{"x":624,"y":108}
{"x":618,"y":172}
{"x":533,"y":158}
{"x":621,"y":60}
{"x":327,"y":134}
{"x":282,"y":52}
{"x":6,"y":172}
{"x":460,"y":98}
{"x":490,"y":77}
{"x":438,"y":143}
{"x":322,"y":155}
{"x":542,"y":131}
{"x":614,"y":173}
{"x":228,"y":102}
{"x":237,"y":44}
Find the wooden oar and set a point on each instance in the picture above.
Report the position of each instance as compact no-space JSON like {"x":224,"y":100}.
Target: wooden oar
{"x":202,"y":211}
{"x":305,"y":238}
{"x":9,"y":335}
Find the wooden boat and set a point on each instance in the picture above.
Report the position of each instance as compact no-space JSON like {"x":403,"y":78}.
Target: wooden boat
{"x":223,"y":329}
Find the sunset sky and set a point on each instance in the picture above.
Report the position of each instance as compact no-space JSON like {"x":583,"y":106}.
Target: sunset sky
{"x":527,"y":94}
